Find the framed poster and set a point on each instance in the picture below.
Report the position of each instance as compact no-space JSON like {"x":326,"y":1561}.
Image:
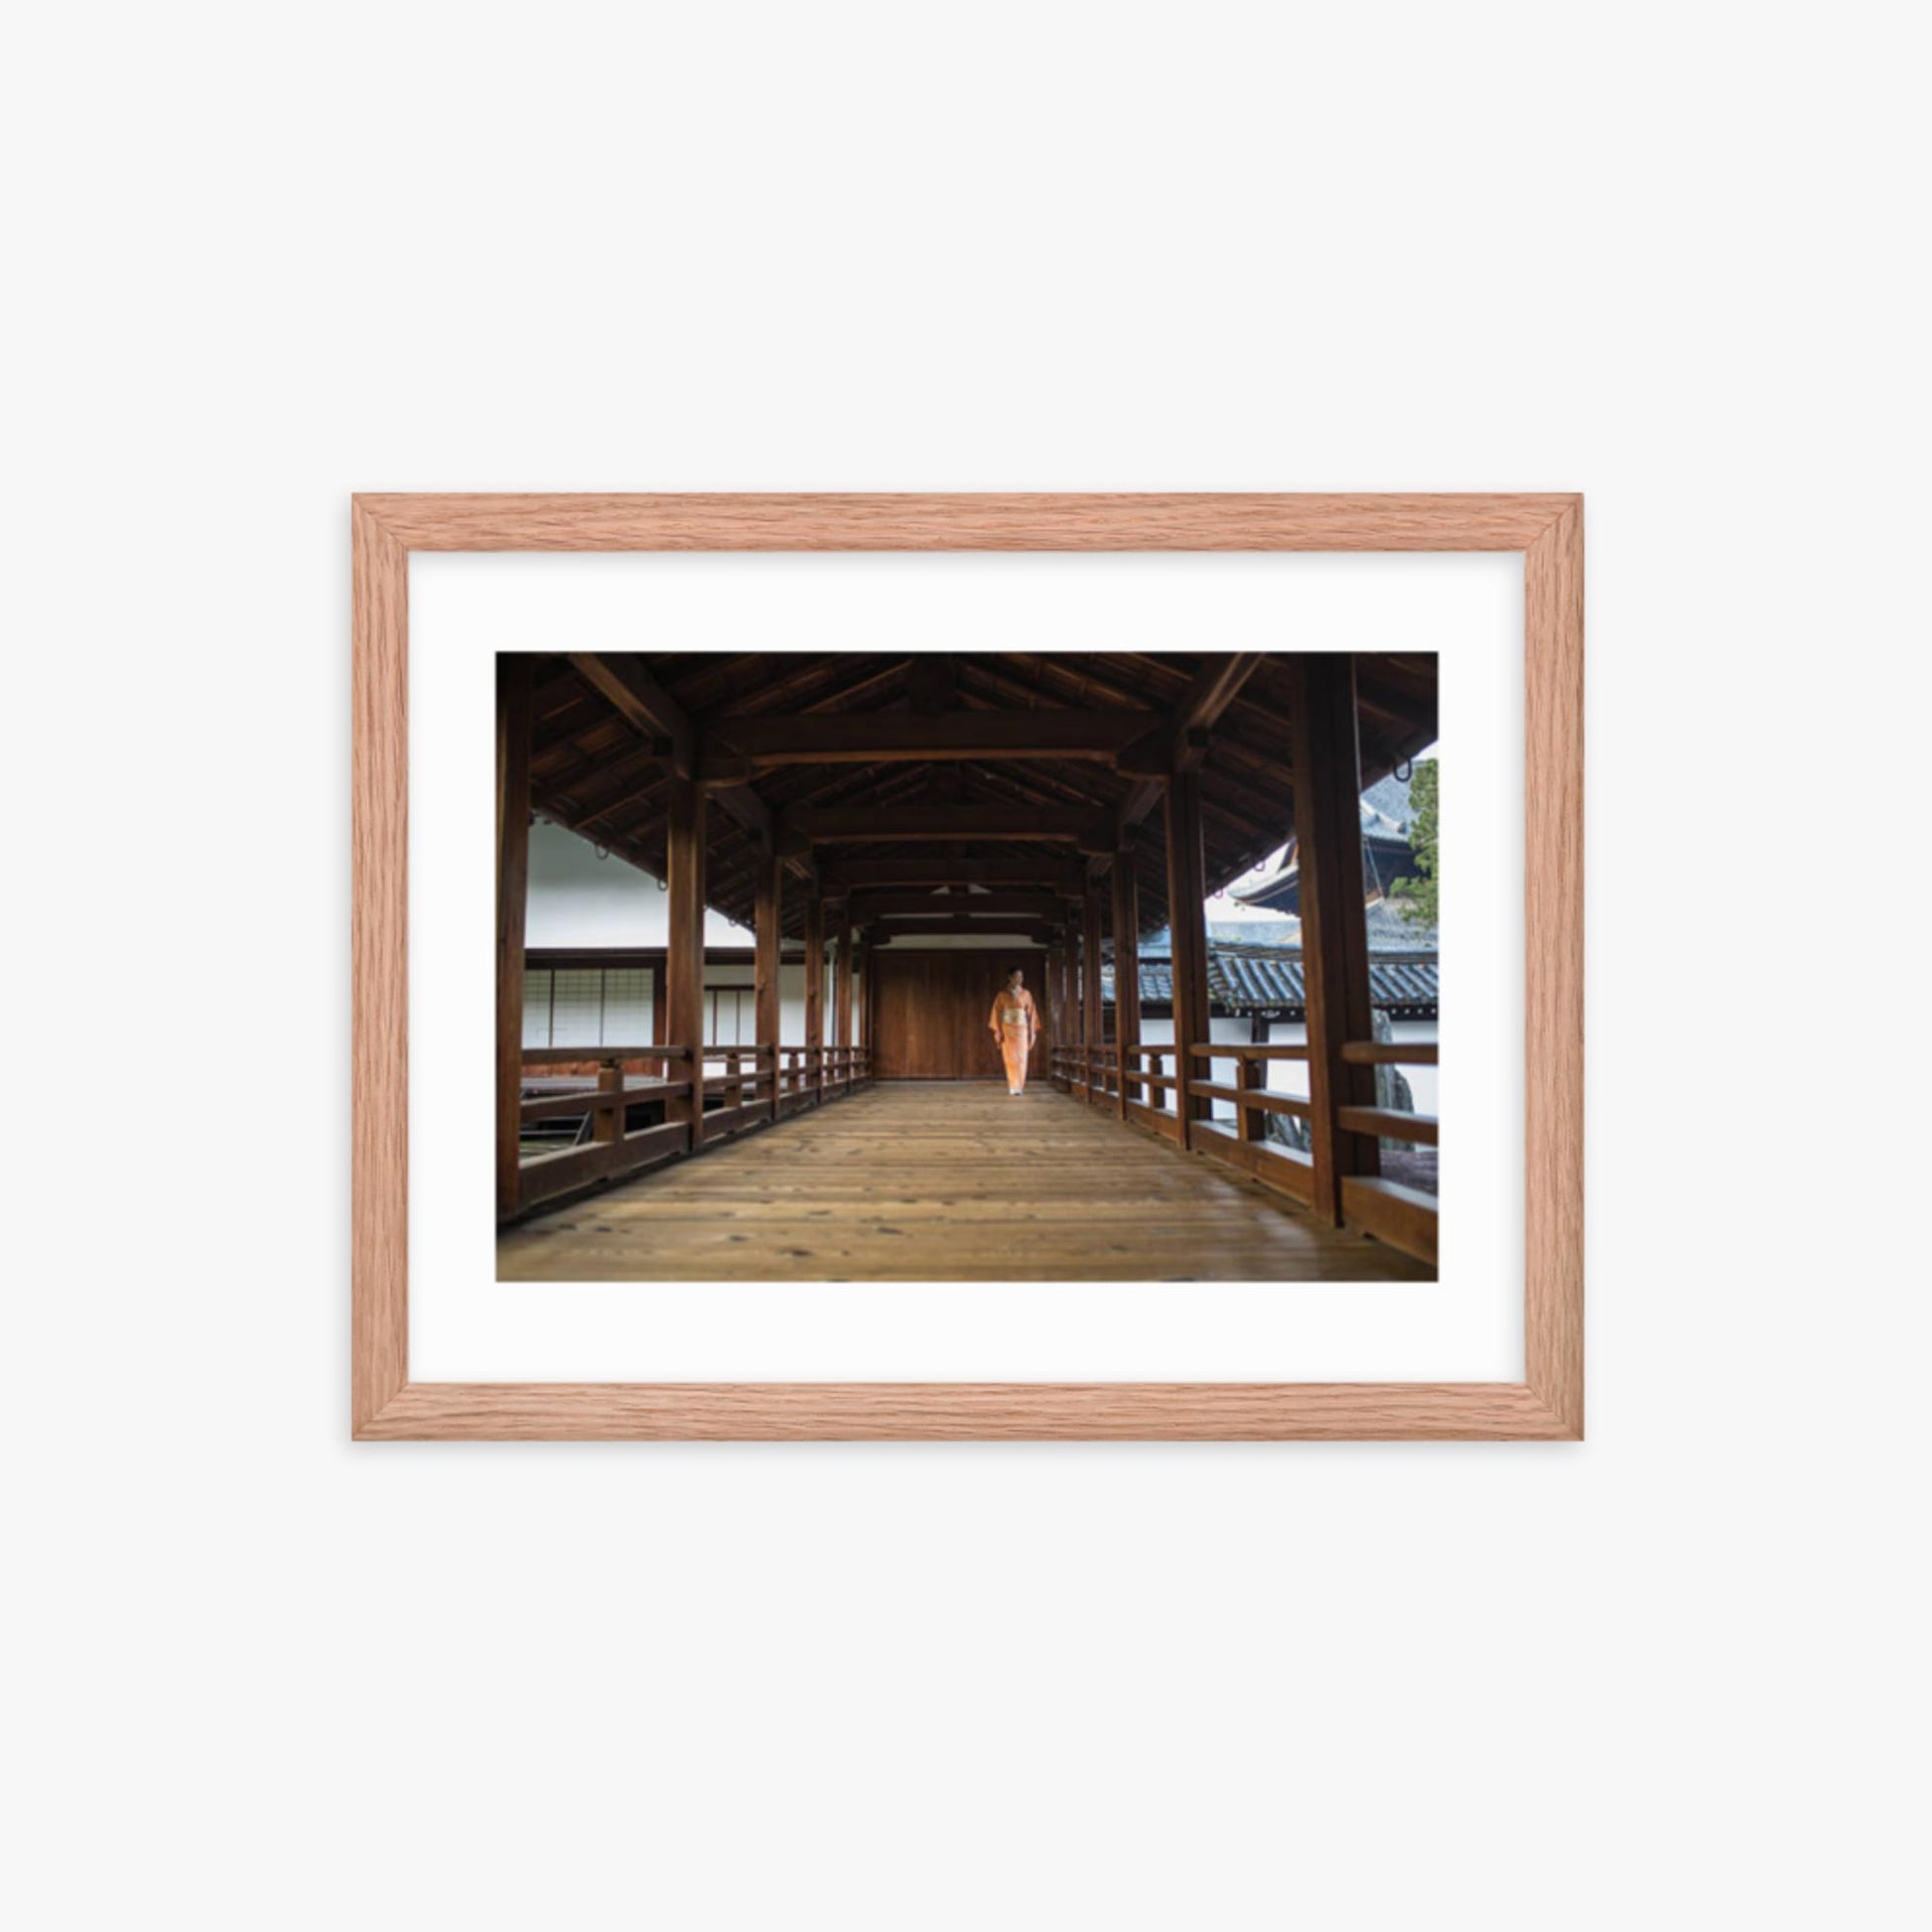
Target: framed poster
{"x":968,"y":967}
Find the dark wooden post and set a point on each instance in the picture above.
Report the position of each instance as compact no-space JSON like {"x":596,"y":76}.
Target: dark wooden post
{"x":1127,"y":966}
{"x":842,"y":993}
{"x":1096,"y":1013}
{"x":1334,"y":925}
{"x":607,"y":1122}
{"x":684,"y":1016}
{"x":1253,"y":1123}
{"x":767,"y":915}
{"x":1074,"y":1005}
{"x":1050,"y":995}
{"x":1187,"y":933}
{"x":513,"y":906}
{"x":861,"y":1025}
{"x":815,"y":994}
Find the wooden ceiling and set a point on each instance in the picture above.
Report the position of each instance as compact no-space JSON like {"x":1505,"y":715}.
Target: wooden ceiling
{"x":896,"y":774}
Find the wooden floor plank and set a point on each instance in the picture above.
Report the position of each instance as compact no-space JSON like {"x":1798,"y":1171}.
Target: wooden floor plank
{"x":943,"y":1181}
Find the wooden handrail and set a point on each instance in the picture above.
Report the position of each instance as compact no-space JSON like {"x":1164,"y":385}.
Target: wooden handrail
{"x":568,"y":1055}
{"x":1233,"y":1050}
{"x":1387,"y":1053}
{"x":1258,"y":1097}
{"x":1388,"y":1123}
{"x":760,"y":1084}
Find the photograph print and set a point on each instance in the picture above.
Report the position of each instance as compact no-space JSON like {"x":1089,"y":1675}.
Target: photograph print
{"x":827,"y":966}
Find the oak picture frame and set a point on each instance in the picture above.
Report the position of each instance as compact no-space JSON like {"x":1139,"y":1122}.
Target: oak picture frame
{"x":1547,"y":1405}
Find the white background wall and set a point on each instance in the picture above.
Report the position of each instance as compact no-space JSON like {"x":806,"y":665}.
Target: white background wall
{"x":1672,"y":1676}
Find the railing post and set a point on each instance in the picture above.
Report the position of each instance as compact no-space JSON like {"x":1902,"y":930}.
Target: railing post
{"x":1252,"y":1122}
{"x":607,"y":1118}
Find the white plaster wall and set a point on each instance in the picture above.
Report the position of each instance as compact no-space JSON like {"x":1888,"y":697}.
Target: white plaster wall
{"x":579,"y":899}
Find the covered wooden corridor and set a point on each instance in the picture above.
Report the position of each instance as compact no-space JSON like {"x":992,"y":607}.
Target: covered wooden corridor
{"x":883,"y":815}
{"x":944,"y":1181}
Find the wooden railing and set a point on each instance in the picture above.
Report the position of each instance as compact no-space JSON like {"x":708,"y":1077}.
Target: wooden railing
{"x":1403,"y":1217}
{"x":757,"y":1087}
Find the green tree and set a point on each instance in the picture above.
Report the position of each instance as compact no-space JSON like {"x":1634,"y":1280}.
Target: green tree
{"x":1416,"y":897}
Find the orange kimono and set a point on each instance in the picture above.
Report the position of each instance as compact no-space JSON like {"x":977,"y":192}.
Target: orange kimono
{"x":1014,"y":1023}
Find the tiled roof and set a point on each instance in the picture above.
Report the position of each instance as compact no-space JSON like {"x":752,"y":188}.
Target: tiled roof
{"x":1242,"y":979}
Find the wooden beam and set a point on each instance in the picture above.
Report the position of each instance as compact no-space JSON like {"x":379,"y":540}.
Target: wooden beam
{"x":932,"y":685}
{"x":685,"y":877}
{"x":1040,"y":905}
{"x":936,"y":869}
{"x":1182,"y":741}
{"x":886,"y":737}
{"x":749,"y":809}
{"x":1335,"y":928}
{"x":768,"y":922}
{"x":1187,"y":931}
{"x":1217,"y":683}
{"x":883,"y":929}
{"x":842,"y":824}
{"x":642,"y":702}
{"x":513,"y":681}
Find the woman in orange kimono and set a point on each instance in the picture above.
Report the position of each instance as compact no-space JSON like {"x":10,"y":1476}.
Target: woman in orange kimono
{"x":1014,"y":1023}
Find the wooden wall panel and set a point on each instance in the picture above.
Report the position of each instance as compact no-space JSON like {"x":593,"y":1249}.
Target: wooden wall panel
{"x":932,"y":1010}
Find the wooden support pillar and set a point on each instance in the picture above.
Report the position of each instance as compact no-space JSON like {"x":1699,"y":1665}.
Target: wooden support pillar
{"x":1096,"y":1013}
{"x":862,"y":1027}
{"x":1187,"y":935}
{"x":1050,"y":995}
{"x":842,"y":976}
{"x":684,"y":876}
{"x":768,"y":919}
{"x":1076,"y":1005}
{"x":1127,"y":967}
{"x":513,"y":714}
{"x":1334,"y":923}
{"x":815,"y":994}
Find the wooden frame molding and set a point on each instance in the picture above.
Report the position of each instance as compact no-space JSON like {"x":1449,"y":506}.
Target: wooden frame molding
{"x":1547,"y":1404}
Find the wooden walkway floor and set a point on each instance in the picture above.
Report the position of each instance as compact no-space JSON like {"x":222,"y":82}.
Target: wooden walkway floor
{"x":911,"y":1181}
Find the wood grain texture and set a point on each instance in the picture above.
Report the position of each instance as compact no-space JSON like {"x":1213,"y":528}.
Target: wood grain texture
{"x":1553,"y":1308}
{"x":966,"y":522}
{"x":943,"y":1181}
{"x":588,"y":1412}
{"x":379,"y":1036}
{"x":1548,"y":1406}
{"x":933,"y":1008}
